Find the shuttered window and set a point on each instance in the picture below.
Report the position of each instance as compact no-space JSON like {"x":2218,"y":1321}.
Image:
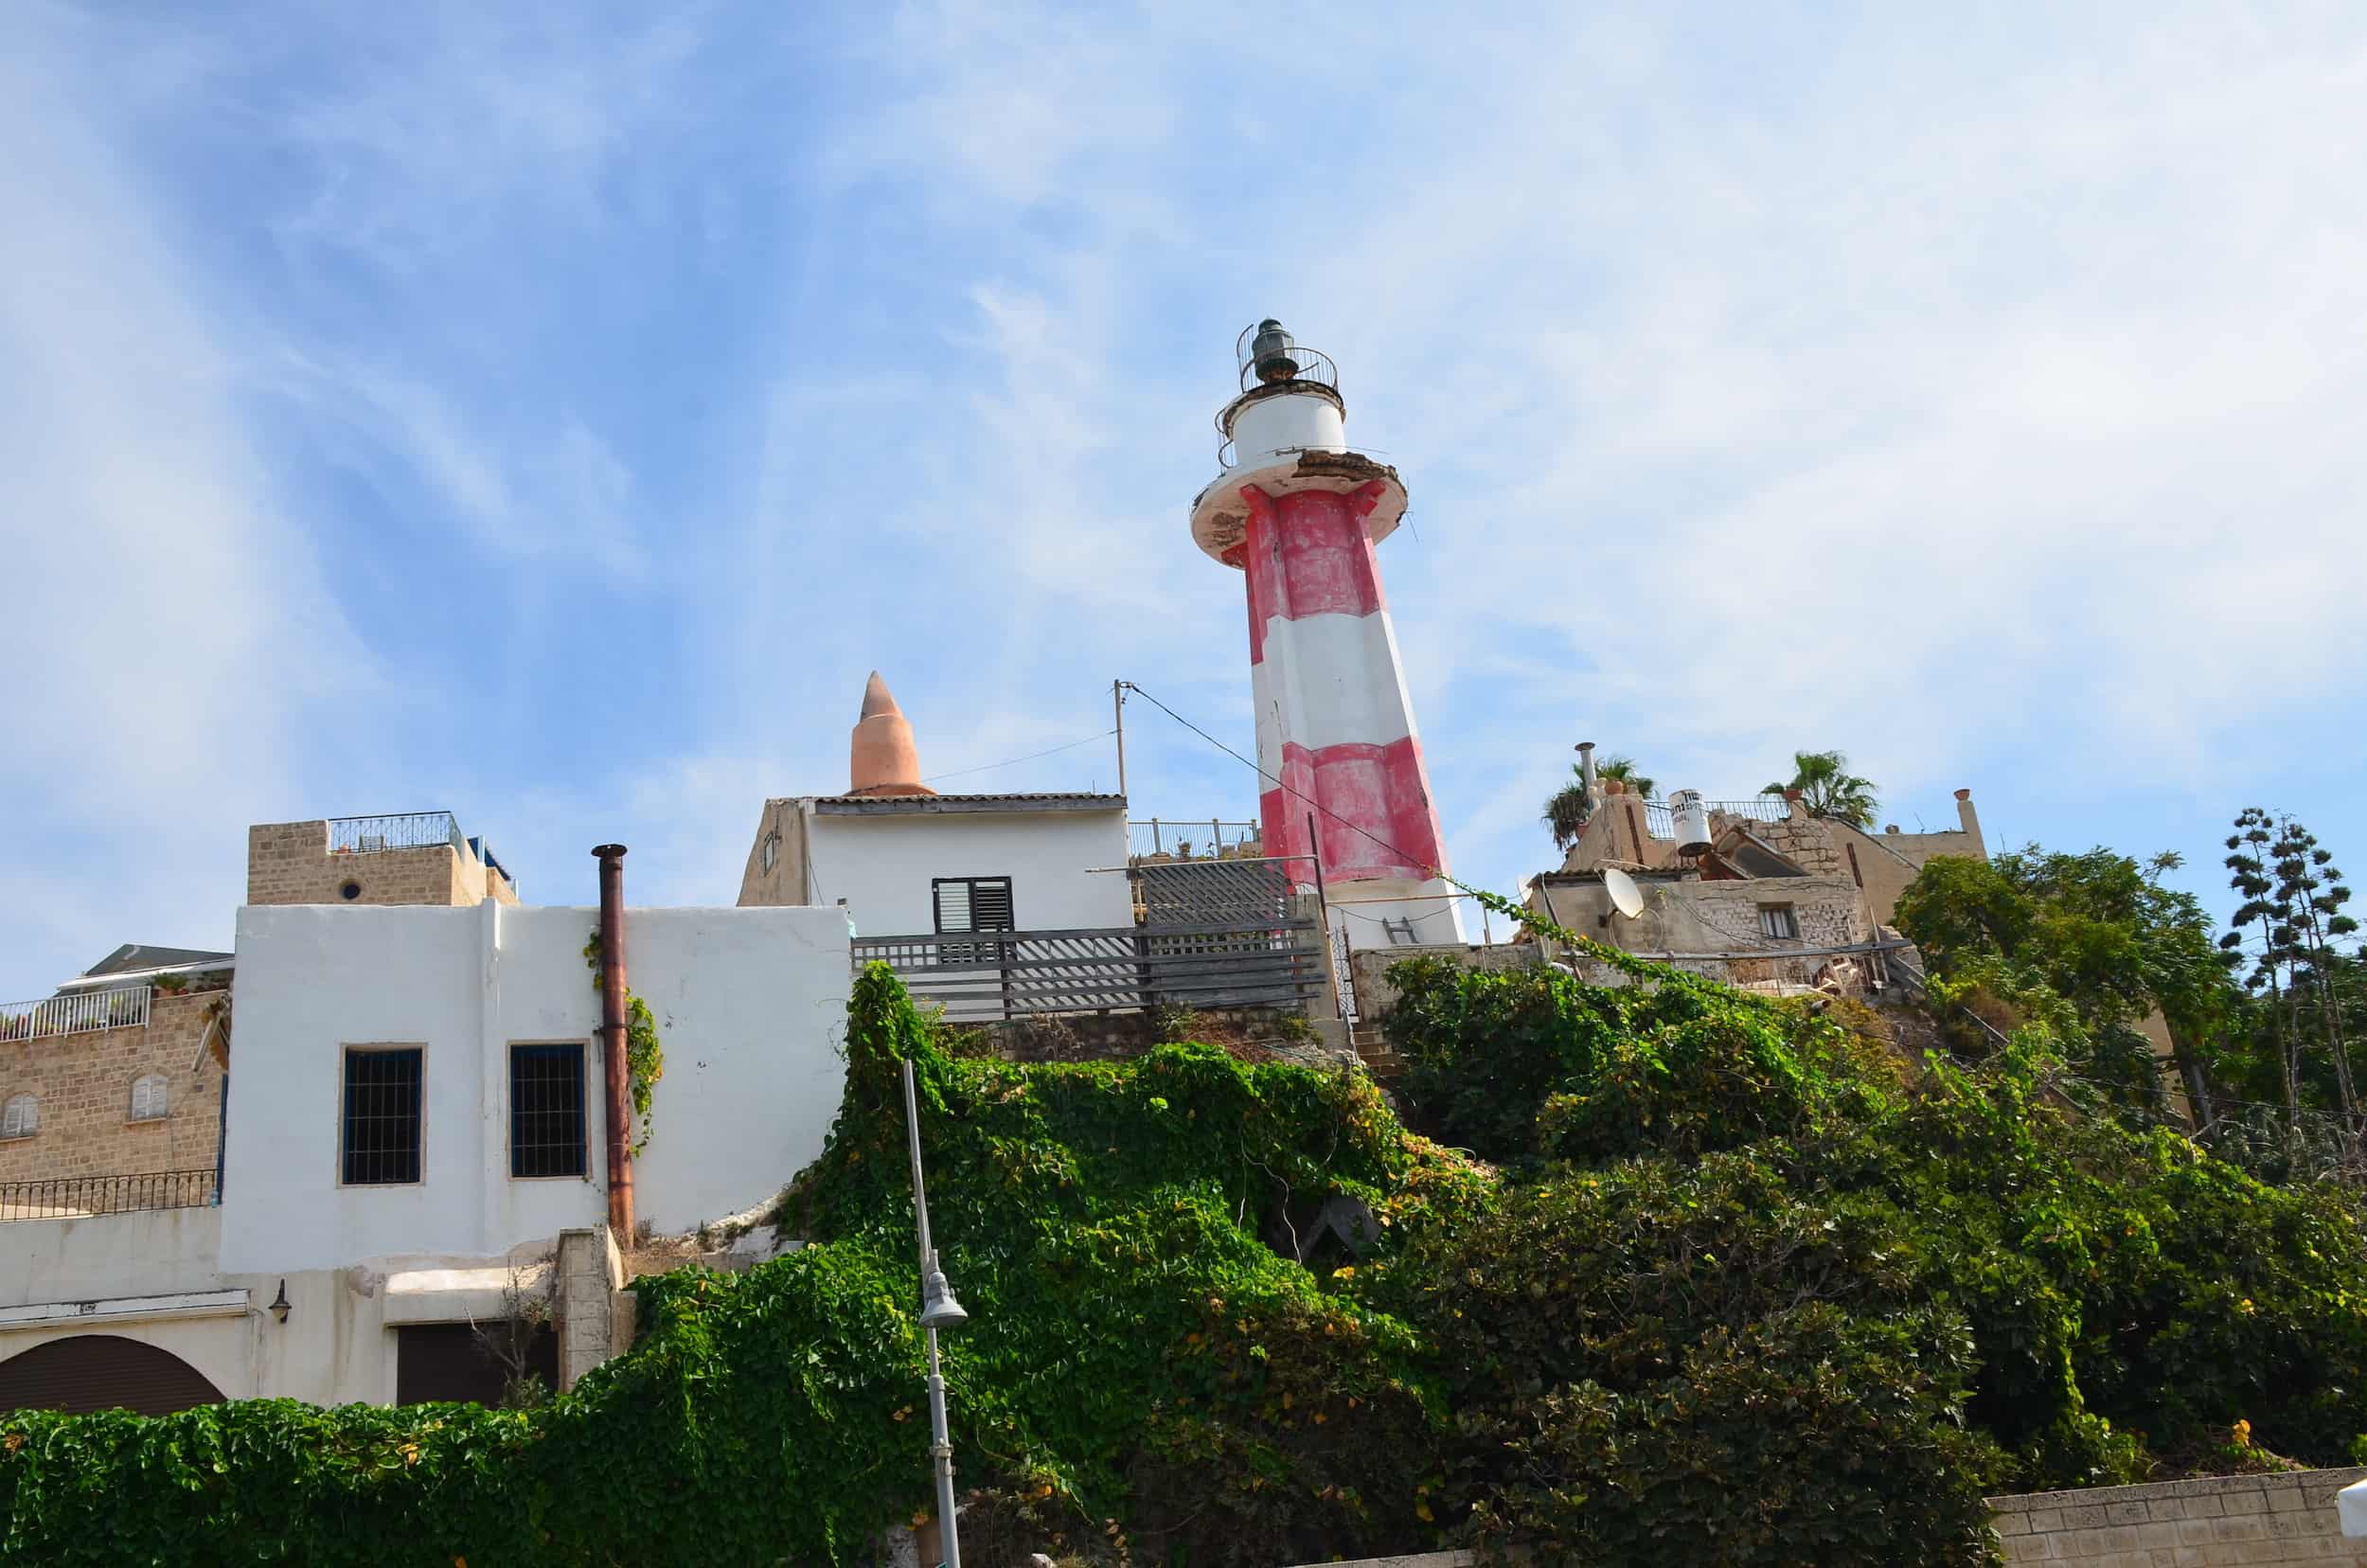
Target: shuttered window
{"x":1777,"y":922}
{"x":21,"y":1118}
{"x":972,"y":903}
{"x":148,"y":1097}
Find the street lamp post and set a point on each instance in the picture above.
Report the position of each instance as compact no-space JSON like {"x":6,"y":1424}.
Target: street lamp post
{"x":938,"y":1310}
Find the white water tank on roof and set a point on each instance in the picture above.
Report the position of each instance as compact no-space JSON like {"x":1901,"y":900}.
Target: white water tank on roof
{"x":1692,"y":821}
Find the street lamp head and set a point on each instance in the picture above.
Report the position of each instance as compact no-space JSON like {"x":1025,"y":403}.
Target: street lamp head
{"x":939,"y":1309}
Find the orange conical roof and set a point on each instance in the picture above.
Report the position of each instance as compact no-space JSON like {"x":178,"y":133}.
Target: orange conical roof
{"x":882,"y":760}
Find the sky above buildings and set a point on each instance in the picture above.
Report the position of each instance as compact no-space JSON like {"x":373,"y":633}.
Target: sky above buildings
{"x":553,"y":412}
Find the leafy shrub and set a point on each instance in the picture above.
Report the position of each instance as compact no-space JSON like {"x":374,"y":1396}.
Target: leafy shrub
{"x":1738,"y":1297}
{"x":1532,"y":1063}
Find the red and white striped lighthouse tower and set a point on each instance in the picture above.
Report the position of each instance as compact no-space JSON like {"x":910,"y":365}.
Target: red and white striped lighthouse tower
{"x":1299,"y":513}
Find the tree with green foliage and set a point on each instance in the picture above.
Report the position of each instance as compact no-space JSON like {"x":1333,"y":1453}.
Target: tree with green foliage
{"x":1828,"y":789}
{"x":2289,"y":924}
{"x":1740,"y":1290}
{"x":2129,"y":1299}
{"x":2084,"y":946}
{"x":1567,"y":807}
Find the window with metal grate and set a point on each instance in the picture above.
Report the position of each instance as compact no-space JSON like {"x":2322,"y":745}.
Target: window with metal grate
{"x":1777,"y":922}
{"x":382,"y":1115}
{"x":546,"y":1109}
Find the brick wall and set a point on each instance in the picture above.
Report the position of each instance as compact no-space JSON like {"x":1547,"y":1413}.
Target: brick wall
{"x":2231,"y":1519}
{"x":289,"y":862}
{"x":83,"y":1082}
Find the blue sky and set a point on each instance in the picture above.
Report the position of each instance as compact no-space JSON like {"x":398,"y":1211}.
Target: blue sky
{"x":552,"y":412}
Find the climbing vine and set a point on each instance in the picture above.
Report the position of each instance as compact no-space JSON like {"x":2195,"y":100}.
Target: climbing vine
{"x":645,"y":1055}
{"x":1723,"y":1250}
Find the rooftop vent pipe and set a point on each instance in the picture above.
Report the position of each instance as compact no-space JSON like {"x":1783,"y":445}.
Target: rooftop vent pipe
{"x":611,"y":859}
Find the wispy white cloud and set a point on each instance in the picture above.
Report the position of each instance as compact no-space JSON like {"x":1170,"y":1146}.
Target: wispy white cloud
{"x":1959,"y":390}
{"x":167,"y":633}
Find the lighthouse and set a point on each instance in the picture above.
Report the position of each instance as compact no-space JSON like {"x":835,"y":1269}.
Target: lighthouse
{"x":1298,"y":514}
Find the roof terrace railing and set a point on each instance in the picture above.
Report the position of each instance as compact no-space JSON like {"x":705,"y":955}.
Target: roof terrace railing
{"x":1660,"y":818}
{"x":1198,"y":837}
{"x":404,"y":830}
{"x":81,"y":1012}
{"x":74,"y":1196}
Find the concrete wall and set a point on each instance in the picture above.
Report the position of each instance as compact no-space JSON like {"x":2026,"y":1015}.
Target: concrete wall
{"x":749,"y":1006}
{"x":1376,"y":997}
{"x":883,"y":865}
{"x":782,"y":826}
{"x":2233,"y":1519}
{"x":1711,"y":916}
{"x":130,"y":1275}
{"x":289,"y":862}
{"x":83,"y":1084}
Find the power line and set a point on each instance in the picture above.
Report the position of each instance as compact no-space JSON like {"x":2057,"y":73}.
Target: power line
{"x":1358,"y":829}
{"x":990,"y":767}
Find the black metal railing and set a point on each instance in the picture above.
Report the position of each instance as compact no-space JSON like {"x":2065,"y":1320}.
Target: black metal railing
{"x":1306,"y":365}
{"x":404,"y":830}
{"x":74,"y":1197}
{"x":981,"y":975}
{"x":1660,"y":818}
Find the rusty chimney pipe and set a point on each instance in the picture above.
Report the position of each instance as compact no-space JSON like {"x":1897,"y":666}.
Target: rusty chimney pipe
{"x":611,"y":859}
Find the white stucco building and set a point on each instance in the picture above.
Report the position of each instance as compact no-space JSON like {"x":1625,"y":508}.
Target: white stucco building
{"x":415,"y":1133}
{"x":909,"y":864}
{"x":906,"y":861}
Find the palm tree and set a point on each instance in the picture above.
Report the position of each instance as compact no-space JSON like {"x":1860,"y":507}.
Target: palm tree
{"x":1567,"y":809}
{"x":1828,"y":789}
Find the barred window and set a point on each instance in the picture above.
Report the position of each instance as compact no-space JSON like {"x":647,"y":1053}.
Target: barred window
{"x":381,"y":1115}
{"x":546,"y":1109}
{"x":150,"y":1100}
{"x":21,"y":1118}
{"x":1777,"y":923}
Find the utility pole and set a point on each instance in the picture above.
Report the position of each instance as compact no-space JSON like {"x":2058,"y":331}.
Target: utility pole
{"x":1117,"y":705}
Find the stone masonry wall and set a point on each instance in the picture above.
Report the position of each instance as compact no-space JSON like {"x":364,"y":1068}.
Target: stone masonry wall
{"x":1804,"y":840}
{"x":1377,"y":998}
{"x":2219,"y":1520}
{"x":83,"y":1083}
{"x":289,"y":862}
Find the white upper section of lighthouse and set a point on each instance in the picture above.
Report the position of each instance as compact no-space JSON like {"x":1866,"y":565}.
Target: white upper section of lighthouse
{"x":1287,"y":431}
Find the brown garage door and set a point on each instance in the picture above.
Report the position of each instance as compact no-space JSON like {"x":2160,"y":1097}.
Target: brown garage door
{"x":449,"y":1360}
{"x":103,"y":1372}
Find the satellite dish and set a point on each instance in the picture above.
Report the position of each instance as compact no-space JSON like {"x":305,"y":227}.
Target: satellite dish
{"x":1624,"y":896}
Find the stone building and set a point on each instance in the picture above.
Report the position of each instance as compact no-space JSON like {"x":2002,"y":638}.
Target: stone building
{"x":118,"y":1076}
{"x":413,"y":857}
{"x":1760,"y":893}
{"x":903,"y":860}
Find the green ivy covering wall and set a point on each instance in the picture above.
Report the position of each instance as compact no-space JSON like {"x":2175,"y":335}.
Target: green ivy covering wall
{"x":1732,"y":1286}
